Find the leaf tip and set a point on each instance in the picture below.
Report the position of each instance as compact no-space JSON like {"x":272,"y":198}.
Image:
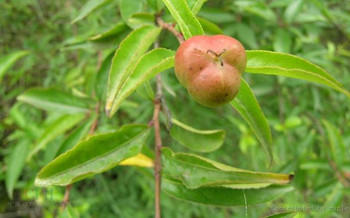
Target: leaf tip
{"x":291,"y":177}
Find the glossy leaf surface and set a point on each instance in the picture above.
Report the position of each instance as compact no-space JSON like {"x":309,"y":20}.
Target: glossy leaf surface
{"x":248,"y":107}
{"x":94,"y":155}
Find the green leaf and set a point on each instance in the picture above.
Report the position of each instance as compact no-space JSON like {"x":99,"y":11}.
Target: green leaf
{"x":246,"y":34}
{"x":146,"y":91}
{"x":59,"y":126}
{"x":6,"y":62}
{"x":334,"y":200}
{"x":128,"y":8}
{"x":77,"y":135}
{"x":139,"y":19}
{"x":197,"y":140}
{"x":118,"y":28}
{"x":149,"y":65}
{"x":187,"y":22}
{"x":283,"y":215}
{"x":95,"y":155}
{"x":155,"y":5}
{"x":69,"y":212}
{"x":248,"y":107}
{"x":196,"y":171}
{"x":283,"y":41}
{"x":209,"y":27}
{"x":292,"y":10}
{"x":274,"y":63}
{"x":125,"y":58}
{"x":15,"y":164}
{"x":220,"y":196}
{"x":262,"y":10}
{"x":89,"y":6}
{"x":55,"y":100}
{"x":195,"y":5}
{"x":102,"y":78}
{"x":337,"y":145}
{"x":217,"y":15}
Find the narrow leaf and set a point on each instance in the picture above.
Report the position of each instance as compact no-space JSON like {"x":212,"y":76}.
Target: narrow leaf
{"x":337,"y":145}
{"x":118,"y":28}
{"x":333,"y":200}
{"x":283,"y":41}
{"x":128,"y":8}
{"x":197,"y":140}
{"x":195,"y":172}
{"x":246,"y":34}
{"x":95,"y":155}
{"x":56,"y":128}
{"x":220,"y":196}
{"x":15,"y":165}
{"x":195,"y":5}
{"x":139,"y":19}
{"x":6,"y":62}
{"x":209,"y":27}
{"x":293,"y":10}
{"x":89,"y":6}
{"x":248,"y":107}
{"x":187,"y":22}
{"x":77,"y":135}
{"x":102,"y":78}
{"x":146,"y":91}
{"x":125,"y":58}
{"x":274,"y":63}
{"x":147,"y":67}
{"x":69,"y":212}
{"x":55,"y":100}
{"x":140,"y":160}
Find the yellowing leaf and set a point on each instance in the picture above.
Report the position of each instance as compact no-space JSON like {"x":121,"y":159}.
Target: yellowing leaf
{"x":139,"y":160}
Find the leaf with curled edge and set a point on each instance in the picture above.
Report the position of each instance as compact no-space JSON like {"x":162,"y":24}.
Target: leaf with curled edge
{"x":221,"y":196}
{"x":195,"y":171}
{"x":97,"y":154}
{"x":248,"y":107}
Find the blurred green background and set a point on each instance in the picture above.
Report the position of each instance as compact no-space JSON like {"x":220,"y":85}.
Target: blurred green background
{"x":310,"y":123}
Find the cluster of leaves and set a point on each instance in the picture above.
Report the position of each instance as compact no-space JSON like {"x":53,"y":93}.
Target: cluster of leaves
{"x":121,"y":54}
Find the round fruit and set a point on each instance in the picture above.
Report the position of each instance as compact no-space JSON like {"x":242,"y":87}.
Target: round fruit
{"x":210,"y":67}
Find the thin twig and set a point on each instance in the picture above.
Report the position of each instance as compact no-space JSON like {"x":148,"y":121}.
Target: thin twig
{"x":66,"y":197}
{"x":170,"y":28}
{"x":94,"y":124}
{"x":155,"y":122}
{"x":158,"y":141}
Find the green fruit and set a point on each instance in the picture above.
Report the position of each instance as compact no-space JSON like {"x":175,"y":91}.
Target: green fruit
{"x":210,"y":68}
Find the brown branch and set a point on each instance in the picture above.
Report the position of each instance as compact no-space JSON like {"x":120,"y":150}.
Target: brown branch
{"x":158,"y":141}
{"x":66,"y":197}
{"x":171,"y":29}
{"x":94,"y":124}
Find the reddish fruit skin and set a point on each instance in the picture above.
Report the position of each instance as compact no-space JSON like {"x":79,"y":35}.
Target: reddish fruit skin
{"x":210,"y":67}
